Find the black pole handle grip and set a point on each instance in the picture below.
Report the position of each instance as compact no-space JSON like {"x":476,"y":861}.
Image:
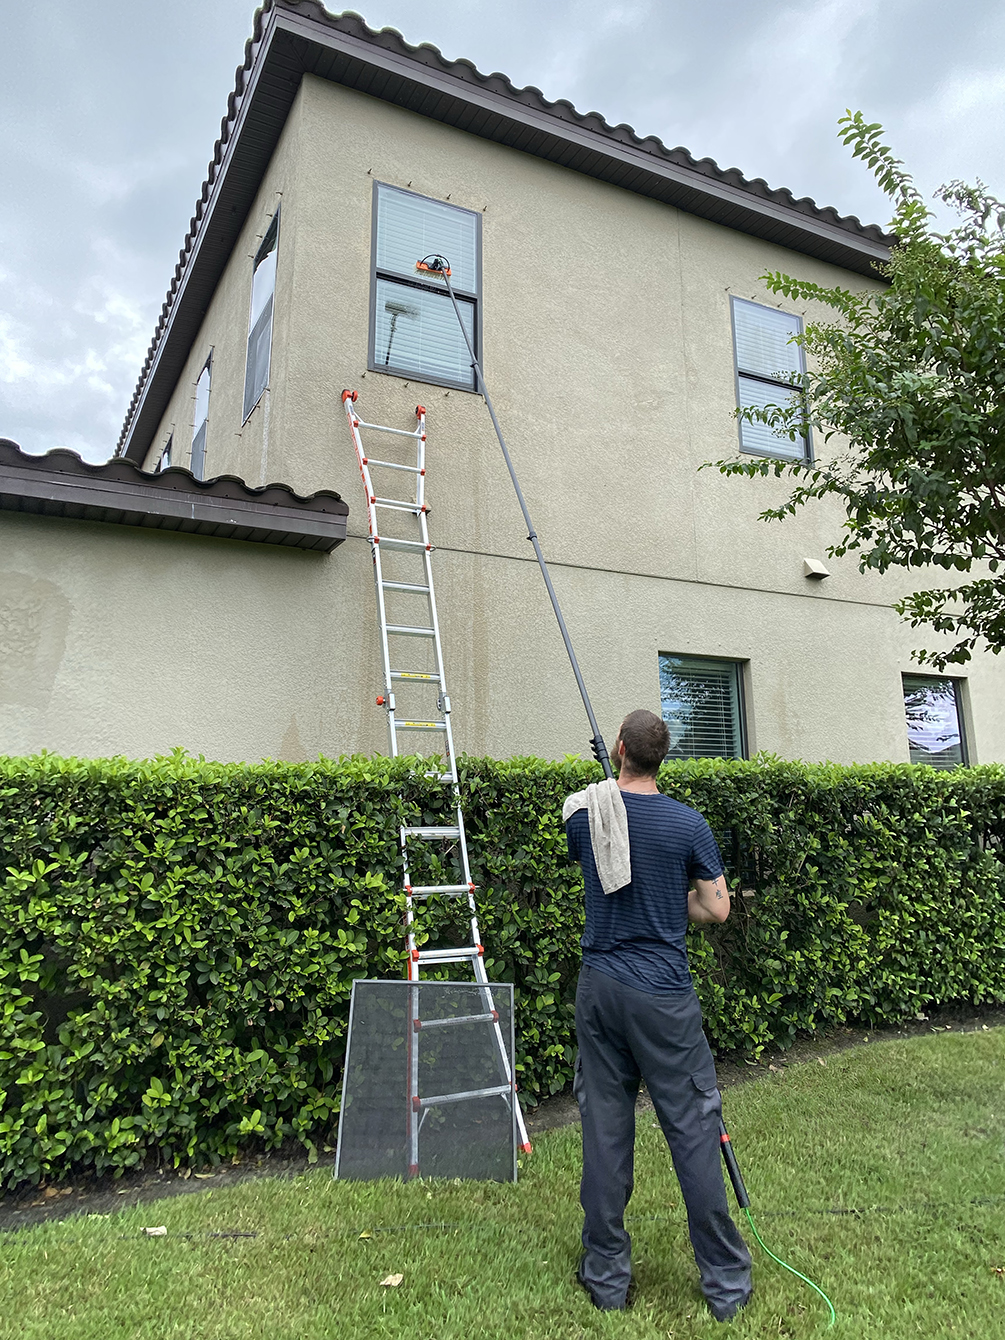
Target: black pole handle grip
{"x":601,"y":755}
{"x":732,"y":1167}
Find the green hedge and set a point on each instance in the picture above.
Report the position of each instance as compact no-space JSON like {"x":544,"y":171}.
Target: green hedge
{"x":178,"y":939}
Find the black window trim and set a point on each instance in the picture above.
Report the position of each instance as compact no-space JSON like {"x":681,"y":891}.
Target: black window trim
{"x":431,"y":286}
{"x":740,"y":666}
{"x":258,"y":258}
{"x":957,"y":682}
{"x":738,"y":372}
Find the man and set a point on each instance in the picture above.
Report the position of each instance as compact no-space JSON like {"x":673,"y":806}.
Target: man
{"x":637,"y":1017}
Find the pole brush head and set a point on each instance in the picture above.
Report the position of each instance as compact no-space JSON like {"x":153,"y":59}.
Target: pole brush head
{"x":437,"y":265}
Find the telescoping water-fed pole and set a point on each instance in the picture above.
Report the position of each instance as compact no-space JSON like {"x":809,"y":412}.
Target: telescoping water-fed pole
{"x":439,"y":265}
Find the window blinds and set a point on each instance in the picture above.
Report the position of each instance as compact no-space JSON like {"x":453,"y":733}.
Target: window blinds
{"x":700,"y":701}
{"x":200,"y":425}
{"x":263,"y":288}
{"x":410,"y":227}
{"x":758,"y":437}
{"x":415,"y":331}
{"x":934,"y":721}
{"x":767,"y":366}
{"x":762,"y":341}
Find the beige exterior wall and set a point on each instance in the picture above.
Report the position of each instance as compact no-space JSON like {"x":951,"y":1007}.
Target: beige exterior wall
{"x":122,"y":641}
{"x":608,"y":348}
{"x":234,"y":447}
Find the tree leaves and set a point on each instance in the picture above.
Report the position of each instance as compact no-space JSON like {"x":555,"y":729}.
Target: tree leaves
{"x":906,"y":391}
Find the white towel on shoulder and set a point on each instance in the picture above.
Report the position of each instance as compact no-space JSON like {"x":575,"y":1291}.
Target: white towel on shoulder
{"x":608,"y":831}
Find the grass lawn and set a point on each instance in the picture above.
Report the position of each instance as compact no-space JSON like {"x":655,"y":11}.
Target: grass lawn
{"x":908,"y":1133}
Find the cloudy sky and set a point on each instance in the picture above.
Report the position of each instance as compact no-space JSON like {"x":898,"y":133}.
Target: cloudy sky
{"x":110,"y":111}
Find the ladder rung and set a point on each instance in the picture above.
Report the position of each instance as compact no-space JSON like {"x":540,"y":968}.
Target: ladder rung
{"x":393,"y":465}
{"x":449,"y":890}
{"x":399,"y":544}
{"x":407,"y":630}
{"x":491,"y":1018}
{"x":397,"y":432}
{"x":406,"y":586}
{"x":417,"y":676}
{"x":398,"y":504}
{"x":419,"y":1103}
{"x":448,"y":955}
{"x":419,"y":725}
{"x":432,"y":832}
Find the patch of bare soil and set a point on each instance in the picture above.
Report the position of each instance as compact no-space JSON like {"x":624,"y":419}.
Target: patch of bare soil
{"x":104,"y":1195}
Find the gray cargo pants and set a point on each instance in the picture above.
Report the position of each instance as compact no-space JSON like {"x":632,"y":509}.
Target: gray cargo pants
{"x":624,"y":1036}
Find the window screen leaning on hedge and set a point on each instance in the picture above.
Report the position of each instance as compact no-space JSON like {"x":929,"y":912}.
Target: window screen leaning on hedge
{"x":636,"y":934}
{"x":413,"y":330}
{"x":768,"y":372}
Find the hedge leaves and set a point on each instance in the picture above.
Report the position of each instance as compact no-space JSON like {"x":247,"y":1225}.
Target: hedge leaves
{"x":178,"y":938}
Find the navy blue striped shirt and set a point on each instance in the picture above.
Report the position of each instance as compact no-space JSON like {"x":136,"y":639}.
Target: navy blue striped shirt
{"x":636,"y":934}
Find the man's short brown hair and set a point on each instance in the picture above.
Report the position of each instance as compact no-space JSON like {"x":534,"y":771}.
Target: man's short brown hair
{"x":646,"y":740}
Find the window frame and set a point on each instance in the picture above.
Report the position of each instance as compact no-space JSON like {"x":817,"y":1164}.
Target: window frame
{"x":428,"y":286}
{"x":739,"y":668}
{"x":206,"y":367}
{"x":164,"y":459}
{"x":807,"y":455}
{"x":259,"y":257}
{"x":961,"y":720}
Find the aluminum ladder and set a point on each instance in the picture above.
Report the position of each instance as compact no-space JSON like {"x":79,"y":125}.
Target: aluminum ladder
{"x":413,"y":512}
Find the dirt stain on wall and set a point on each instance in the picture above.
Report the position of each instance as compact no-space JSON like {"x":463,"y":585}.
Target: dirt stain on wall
{"x":34,"y":617}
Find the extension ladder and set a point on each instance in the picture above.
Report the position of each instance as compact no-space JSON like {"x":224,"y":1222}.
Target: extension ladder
{"x":417,"y":549}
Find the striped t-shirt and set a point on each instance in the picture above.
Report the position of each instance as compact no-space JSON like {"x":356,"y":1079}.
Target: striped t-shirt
{"x":636,"y":934}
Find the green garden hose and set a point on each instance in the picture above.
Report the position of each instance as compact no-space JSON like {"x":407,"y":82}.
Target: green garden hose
{"x":786,"y":1266}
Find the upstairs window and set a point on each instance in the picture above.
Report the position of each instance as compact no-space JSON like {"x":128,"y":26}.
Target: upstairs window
{"x":702,"y":705}
{"x":263,"y":288}
{"x":201,"y":420}
{"x":768,"y":372}
{"x":164,"y":459}
{"x":934,"y":711}
{"x":413,"y":329}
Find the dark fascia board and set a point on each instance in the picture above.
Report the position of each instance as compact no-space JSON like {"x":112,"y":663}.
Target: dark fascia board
{"x":294,"y":37}
{"x":60,"y":484}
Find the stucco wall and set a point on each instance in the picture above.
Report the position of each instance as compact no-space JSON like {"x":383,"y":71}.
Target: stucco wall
{"x":235,"y":447}
{"x":115,"y":640}
{"x":609,"y":353}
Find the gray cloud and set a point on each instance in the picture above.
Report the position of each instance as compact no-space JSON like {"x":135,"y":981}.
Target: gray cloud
{"x":111,"y":110}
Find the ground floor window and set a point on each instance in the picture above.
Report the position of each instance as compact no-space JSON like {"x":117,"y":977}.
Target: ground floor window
{"x":934,"y":711}
{"x":702,"y":704}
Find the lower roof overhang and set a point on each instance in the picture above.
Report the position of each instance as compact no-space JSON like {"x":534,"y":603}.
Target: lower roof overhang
{"x":61,"y":485}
